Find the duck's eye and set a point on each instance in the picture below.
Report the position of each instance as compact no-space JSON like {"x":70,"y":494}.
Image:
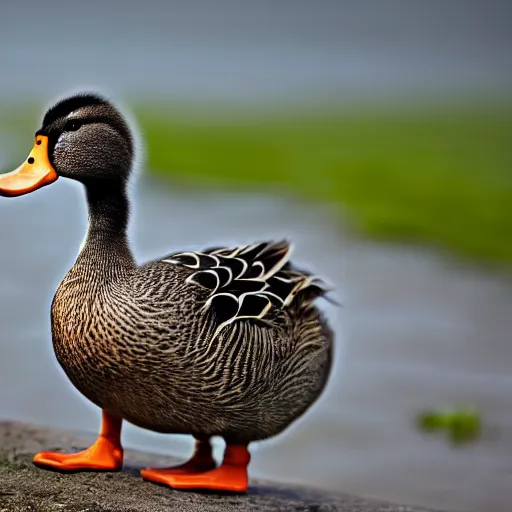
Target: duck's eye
{"x":72,"y":125}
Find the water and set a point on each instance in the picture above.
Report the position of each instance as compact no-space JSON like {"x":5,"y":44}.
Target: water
{"x":416,"y":330}
{"x":255,"y":50}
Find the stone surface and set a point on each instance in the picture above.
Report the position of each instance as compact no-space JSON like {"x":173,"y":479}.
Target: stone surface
{"x":24,"y":487}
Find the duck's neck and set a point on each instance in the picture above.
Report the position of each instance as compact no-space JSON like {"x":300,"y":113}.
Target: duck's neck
{"x":106,"y":244}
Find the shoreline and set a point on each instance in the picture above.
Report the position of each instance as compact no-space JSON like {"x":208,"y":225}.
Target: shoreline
{"x":25,"y":487}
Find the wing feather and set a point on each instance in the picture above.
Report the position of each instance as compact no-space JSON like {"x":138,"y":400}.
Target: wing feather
{"x":248,"y":281}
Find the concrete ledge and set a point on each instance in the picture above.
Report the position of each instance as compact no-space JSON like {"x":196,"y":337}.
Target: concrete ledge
{"x":24,"y":487}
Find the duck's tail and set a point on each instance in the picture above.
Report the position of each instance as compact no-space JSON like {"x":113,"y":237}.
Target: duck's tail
{"x":307,"y":287}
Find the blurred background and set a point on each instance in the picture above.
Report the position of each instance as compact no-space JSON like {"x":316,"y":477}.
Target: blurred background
{"x":376,"y":135}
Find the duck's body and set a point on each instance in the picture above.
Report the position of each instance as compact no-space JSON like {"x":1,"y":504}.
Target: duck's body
{"x":223,"y":341}
{"x":140,"y":346}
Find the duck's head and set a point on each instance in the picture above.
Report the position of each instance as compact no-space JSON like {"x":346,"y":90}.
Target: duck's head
{"x":83,"y":137}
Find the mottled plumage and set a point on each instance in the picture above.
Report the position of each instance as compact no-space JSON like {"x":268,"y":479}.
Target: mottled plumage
{"x":152,"y":346}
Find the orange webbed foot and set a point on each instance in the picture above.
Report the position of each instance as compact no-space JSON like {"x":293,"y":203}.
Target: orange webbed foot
{"x":190,"y":467}
{"x":201,"y":461}
{"x":231,"y":476}
{"x":106,"y":454}
{"x":103,"y":455}
{"x":225,"y":478}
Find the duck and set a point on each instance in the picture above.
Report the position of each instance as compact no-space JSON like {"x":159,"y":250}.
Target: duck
{"x":227,"y":341}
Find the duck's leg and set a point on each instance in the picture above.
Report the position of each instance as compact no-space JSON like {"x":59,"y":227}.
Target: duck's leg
{"x":201,"y":461}
{"x":230,"y":476}
{"x":106,"y":454}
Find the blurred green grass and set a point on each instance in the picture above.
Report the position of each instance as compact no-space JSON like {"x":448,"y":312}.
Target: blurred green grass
{"x":460,"y":424}
{"x":440,"y":175}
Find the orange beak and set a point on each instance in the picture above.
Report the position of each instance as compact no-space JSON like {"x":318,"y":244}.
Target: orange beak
{"x":34,"y":173}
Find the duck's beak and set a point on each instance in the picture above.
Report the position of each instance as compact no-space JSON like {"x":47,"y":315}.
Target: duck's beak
{"x":34,"y":173}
